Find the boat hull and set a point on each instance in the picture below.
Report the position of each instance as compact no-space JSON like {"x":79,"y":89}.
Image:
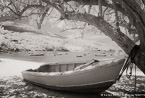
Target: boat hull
{"x":93,"y":88}
{"x":95,"y":79}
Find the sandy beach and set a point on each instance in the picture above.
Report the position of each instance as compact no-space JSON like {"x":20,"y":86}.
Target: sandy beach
{"x":13,"y":86}
{"x":11,"y":67}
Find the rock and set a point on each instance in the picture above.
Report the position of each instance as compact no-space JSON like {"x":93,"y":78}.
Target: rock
{"x":79,"y":56}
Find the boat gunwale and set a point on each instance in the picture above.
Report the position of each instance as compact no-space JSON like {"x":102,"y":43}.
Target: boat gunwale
{"x":71,"y":72}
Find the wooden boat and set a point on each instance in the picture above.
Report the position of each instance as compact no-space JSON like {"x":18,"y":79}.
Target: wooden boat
{"x":94,"y":76}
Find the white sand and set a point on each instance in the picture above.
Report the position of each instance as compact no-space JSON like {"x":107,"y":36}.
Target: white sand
{"x":11,"y":67}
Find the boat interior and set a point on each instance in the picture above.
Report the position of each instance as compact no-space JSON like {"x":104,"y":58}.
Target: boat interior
{"x":62,"y":67}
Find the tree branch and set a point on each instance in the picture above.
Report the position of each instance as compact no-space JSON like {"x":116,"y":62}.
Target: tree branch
{"x":136,"y":15}
{"x":75,"y":28}
{"x":44,"y":13}
{"x":20,"y":13}
{"x":100,"y":8}
{"x":56,"y":6}
{"x":30,"y":6}
{"x":143,"y":1}
{"x":12,"y":10}
{"x":117,"y":36}
{"x":96,"y":2}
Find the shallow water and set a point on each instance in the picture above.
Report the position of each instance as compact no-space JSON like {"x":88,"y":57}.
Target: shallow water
{"x":55,"y":57}
{"x":15,"y":62}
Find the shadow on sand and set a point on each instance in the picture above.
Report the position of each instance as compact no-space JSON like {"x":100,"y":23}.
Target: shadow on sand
{"x":64,"y":94}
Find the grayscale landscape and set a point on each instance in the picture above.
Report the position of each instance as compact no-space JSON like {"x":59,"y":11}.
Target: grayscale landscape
{"x":38,"y":32}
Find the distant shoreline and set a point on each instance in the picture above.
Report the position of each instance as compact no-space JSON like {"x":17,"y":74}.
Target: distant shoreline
{"x":41,"y":56}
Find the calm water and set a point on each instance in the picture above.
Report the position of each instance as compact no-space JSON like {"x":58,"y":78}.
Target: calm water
{"x":14,"y":63}
{"x":55,"y":57}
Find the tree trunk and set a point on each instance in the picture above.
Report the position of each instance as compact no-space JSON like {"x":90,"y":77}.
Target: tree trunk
{"x":140,"y":60}
{"x":42,"y":17}
{"x":137,"y":15}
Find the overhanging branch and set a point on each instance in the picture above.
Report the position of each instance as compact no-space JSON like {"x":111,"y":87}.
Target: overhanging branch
{"x":120,"y":38}
{"x":96,"y":2}
{"x":136,"y":15}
